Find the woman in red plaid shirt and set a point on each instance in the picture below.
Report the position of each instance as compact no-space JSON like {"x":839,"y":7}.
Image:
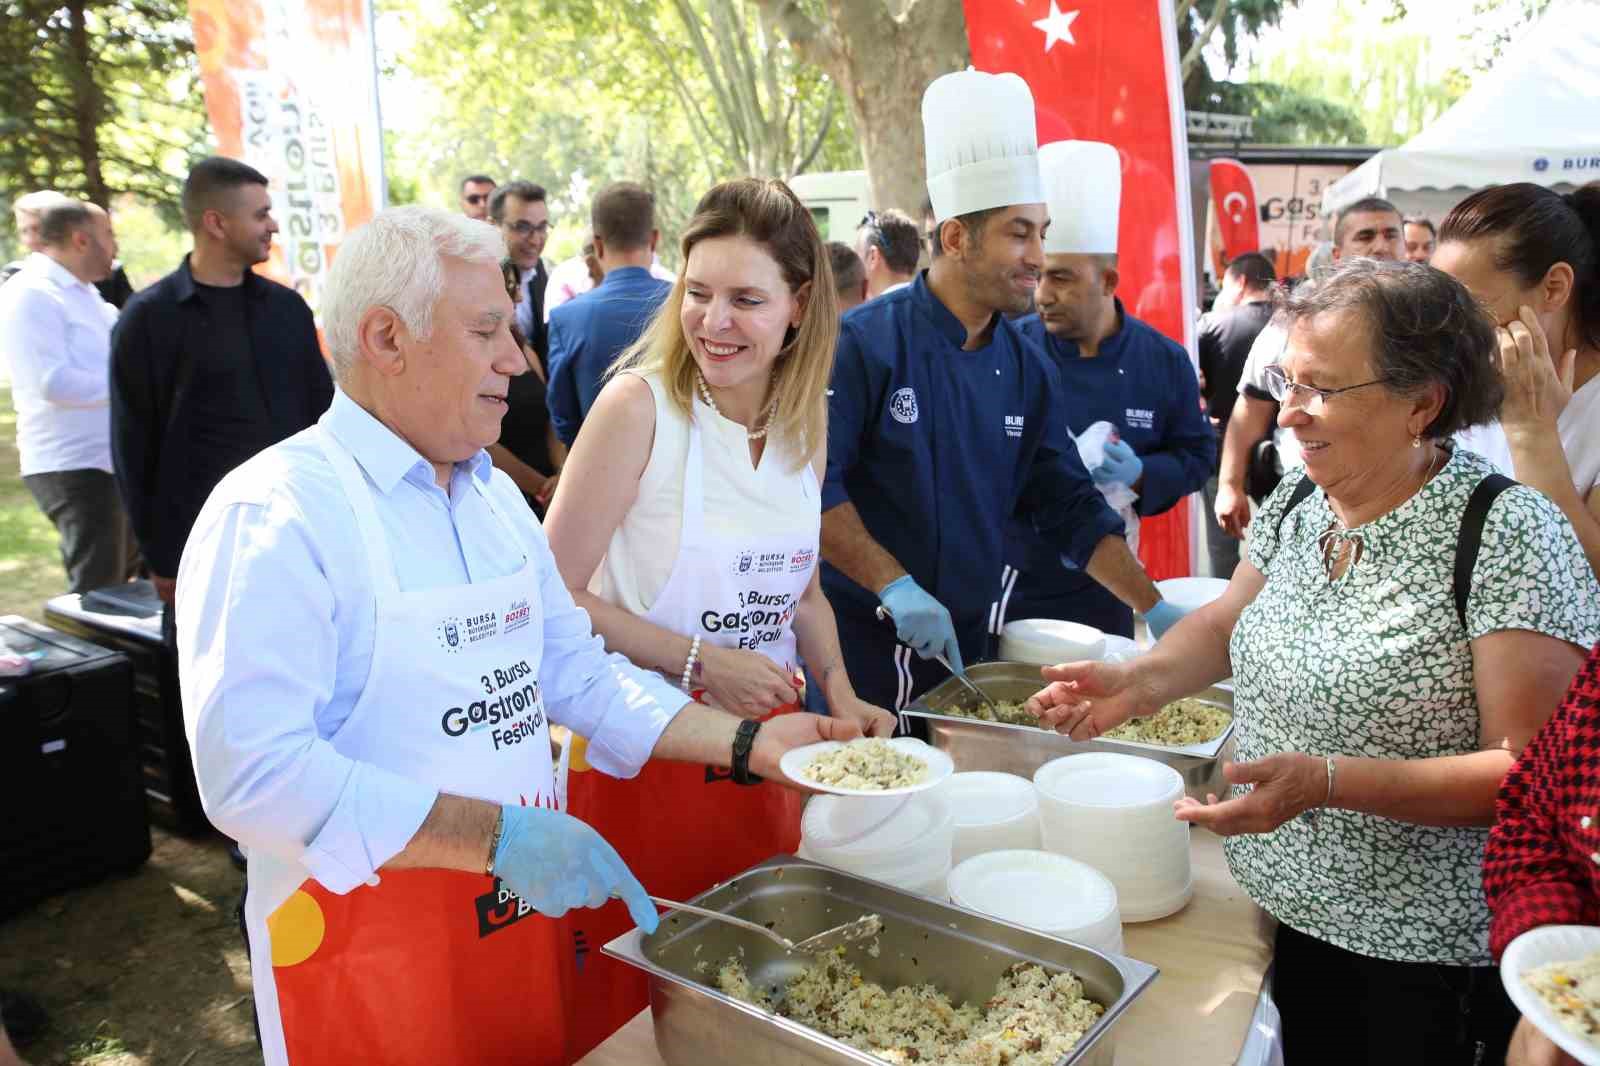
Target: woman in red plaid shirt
{"x":1540,"y":866}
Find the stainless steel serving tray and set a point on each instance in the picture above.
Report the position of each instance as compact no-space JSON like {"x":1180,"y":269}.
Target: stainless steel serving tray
{"x":1018,"y":749}
{"x":960,"y":952}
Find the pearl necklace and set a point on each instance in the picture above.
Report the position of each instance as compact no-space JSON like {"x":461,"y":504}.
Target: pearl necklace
{"x":751,"y":434}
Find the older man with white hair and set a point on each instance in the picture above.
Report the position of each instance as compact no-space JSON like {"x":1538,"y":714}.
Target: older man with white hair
{"x":373,"y":642}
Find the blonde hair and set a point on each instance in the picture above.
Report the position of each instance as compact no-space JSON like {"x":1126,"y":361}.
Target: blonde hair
{"x":768,"y":213}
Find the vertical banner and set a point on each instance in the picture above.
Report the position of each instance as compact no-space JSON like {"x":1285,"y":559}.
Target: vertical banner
{"x":1233,"y":199}
{"x":291,"y":89}
{"x":1107,"y":70}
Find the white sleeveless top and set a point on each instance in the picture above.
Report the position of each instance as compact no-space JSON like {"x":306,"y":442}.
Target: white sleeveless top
{"x":739,"y":499}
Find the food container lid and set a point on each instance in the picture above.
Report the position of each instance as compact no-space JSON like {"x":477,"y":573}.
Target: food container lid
{"x":1036,"y":889}
{"x":1109,"y":780}
{"x":855,"y":824}
{"x":986,"y":797}
{"x":1053,"y":639}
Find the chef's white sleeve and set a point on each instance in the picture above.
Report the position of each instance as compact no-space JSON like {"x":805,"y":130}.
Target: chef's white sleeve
{"x":621,"y":709}
{"x":257,"y":646}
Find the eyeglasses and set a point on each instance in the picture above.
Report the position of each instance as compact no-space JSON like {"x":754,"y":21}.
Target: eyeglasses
{"x":475,"y":197}
{"x":1313,"y":400}
{"x":523,"y":228}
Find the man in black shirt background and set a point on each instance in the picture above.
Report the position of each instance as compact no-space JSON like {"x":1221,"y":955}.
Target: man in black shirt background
{"x":1243,"y":307}
{"x":209,"y":366}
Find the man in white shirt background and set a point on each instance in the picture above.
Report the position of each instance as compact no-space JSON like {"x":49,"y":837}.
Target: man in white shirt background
{"x":373,"y":640}
{"x":55,"y":332}
{"x":890,"y":248}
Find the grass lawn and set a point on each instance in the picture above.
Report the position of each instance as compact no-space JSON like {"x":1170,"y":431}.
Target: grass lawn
{"x":30,"y":562}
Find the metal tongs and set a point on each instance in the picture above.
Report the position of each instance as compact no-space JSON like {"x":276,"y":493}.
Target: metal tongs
{"x":885,"y":616}
{"x":856,"y":929}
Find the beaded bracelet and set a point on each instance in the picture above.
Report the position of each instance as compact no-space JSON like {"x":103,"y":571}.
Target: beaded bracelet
{"x":688,"y":664}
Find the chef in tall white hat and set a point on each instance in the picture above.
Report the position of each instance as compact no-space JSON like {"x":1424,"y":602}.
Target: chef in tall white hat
{"x":941,"y":417}
{"x":1130,"y":395}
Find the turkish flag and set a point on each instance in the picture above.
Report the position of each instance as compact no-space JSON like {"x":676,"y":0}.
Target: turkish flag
{"x":1233,"y":197}
{"x":1107,"y":70}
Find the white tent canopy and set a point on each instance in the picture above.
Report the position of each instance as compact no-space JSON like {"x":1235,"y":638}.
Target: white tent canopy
{"x":1535,"y":116}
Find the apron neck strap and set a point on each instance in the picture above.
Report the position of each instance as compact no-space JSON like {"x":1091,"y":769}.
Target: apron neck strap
{"x":359,"y":495}
{"x":694,"y":485}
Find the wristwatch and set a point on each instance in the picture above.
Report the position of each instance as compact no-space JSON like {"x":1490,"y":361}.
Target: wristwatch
{"x":743,"y":741}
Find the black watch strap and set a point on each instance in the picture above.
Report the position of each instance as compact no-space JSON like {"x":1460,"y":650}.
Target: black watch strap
{"x":743,"y":741}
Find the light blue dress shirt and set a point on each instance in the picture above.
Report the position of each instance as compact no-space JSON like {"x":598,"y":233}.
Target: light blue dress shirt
{"x":275,"y":626}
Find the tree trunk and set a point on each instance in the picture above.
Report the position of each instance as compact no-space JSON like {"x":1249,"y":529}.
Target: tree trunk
{"x":883,"y":62}
{"x":85,"y":104}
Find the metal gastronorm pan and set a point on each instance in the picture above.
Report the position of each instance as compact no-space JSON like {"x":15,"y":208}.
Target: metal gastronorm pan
{"x":974,"y":744}
{"x":962,"y":953}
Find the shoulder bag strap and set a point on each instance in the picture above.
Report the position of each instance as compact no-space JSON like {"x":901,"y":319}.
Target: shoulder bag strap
{"x":1471,"y":536}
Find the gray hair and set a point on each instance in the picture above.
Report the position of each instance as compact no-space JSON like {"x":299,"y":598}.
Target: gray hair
{"x":1425,"y":329}
{"x":396,"y":261}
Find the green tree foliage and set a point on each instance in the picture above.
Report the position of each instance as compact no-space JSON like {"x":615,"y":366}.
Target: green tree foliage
{"x":677,"y":94}
{"x":1389,"y":76}
{"x":99,"y":98}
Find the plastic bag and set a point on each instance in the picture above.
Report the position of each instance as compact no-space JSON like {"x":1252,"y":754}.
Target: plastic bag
{"x":1119,"y":497}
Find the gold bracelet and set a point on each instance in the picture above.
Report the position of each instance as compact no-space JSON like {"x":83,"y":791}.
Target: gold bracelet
{"x":494,"y":841}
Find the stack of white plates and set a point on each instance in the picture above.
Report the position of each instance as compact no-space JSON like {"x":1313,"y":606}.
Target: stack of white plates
{"x":1114,"y":812}
{"x":1191,"y":592}
{"x":1047,"y":641}
{"x":1051,"y":894}
{"x":902,"y":841}
{"x":993,"y":812}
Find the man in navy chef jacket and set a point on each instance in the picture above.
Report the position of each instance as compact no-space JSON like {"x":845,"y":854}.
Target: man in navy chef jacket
{"x":940,"y":420}
{"x":1114,"y":369}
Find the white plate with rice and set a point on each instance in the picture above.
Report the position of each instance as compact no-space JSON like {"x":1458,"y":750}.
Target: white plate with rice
{"x":870,"y":766}
{"x":1548,"y":956}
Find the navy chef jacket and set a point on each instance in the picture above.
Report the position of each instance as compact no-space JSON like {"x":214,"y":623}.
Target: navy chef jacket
{"x":1143,"y":383}
{"x":937,"y":448}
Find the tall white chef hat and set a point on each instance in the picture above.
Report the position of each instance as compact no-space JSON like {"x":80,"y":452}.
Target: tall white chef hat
{"x":1083,"y":189}
{"x":982,"y":144}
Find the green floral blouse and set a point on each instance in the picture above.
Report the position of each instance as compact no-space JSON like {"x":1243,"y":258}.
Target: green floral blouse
{"x":1380,"y":667}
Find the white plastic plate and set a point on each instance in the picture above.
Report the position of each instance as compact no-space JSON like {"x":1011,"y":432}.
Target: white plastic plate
{"x":939,"y":765}
{"x":1535,"y":948}
{"x":1191,"y":592}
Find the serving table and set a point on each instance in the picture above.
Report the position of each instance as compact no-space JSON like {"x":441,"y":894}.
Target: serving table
{"x":1213,"y":955}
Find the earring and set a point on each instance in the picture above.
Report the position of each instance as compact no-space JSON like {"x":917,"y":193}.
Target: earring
{"x":1416,"y":442}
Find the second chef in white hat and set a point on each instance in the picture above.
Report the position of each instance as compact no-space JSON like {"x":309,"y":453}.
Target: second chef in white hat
{"x":942,"y":419}
{"x":1119,"y":375}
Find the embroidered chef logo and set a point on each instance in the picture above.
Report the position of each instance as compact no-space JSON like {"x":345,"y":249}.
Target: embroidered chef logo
{"x":450,"y":634}
{"x":511,"y":709}
{"x":517,"y":615}
{"x":903,"y":405}
{"x":802,"y":560}
{"x":1013,"y":425}
{"x":1140,"y":418}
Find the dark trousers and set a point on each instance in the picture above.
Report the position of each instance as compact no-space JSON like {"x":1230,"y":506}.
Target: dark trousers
{"x":97,"y":545}
{"x":1338,"y":1007}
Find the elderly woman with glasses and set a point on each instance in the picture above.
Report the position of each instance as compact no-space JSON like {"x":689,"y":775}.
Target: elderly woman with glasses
{"x":1404,"y":622}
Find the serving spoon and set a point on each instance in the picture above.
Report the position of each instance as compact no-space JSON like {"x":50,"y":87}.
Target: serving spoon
{"x":855,"y":929}
{"x":983,"y":697}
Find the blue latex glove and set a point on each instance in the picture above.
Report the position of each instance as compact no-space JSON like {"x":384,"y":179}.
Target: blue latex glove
{"x":1120,"y":464}
{"x":921,"y":621}
{"x":556,"y":862}
{"x":1162,"y":617}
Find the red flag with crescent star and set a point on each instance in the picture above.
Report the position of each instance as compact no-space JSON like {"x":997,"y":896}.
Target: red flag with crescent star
{"x":1107,"y":70}
{"x":1233,"y":197}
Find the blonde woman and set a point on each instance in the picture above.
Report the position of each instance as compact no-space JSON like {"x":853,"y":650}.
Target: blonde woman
{"x":688,"y":526}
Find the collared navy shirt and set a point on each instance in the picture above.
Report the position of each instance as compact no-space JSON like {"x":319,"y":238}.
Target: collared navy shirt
{"x":588,"y":332}
{"x":938,"y":447}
